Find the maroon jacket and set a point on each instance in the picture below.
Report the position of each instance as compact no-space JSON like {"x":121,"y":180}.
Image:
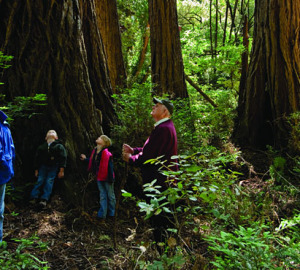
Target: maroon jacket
{"x":161,"y":142}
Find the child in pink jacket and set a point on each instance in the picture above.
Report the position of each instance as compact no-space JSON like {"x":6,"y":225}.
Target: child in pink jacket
{"x":101,"y":165}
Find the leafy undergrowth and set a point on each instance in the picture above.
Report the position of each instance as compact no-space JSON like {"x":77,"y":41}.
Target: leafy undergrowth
{"x":221,"y":220}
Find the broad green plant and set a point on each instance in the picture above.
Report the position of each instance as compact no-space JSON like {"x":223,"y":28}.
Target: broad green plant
{"x":23,"y":106}
{"x":199,"y":182}
{"x":244,"y":248}
{"x":4,"y":60}
{"x":258,"y":246}
{"x":22,"y":257}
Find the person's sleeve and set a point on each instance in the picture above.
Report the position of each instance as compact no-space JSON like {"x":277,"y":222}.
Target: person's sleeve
{"x":1,"y":148}
{"x":86,"y":160}
{"x":13,"y":150}
{"x":153,"y":148}
{"x":137,"y":150}
{"x":110,"y":171}
{"x":62,"y":162}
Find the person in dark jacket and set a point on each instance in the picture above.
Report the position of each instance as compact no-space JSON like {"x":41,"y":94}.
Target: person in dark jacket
{"x":50,"y":161}
{"x":100,"y":164}
{"x":162,"y":142}
{"x":7,"y":156}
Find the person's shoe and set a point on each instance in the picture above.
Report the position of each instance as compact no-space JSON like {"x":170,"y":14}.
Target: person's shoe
{"x":43,"y":203}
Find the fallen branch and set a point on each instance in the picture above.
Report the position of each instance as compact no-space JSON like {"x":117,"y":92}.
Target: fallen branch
{"x":200,"y":91}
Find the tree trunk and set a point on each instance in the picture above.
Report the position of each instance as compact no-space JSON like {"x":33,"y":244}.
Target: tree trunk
{"x":233,"y":18}
{"x":272,"y":89}
{"x":210,"y":30}
{"x":142,"y":56}
{"x":166,"y":58}
{"x":216,"y":28}
{"x":225,"y":24}
{"x":245,"y":55}
{"x":108,"y":23}
{"x":58,"y":51}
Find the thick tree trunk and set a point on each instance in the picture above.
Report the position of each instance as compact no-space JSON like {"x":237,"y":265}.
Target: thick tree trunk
{"x":272,"y":89}
{"x":58,"y":51}
{"x":108,"y":23}
{"x":166,"y":58}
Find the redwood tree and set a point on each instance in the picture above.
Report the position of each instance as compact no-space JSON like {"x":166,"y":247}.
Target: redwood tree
{"x":272,"y":88}
{"x":108,"y":24}
{"x":166,"y":57}
{"x":58,"y":51}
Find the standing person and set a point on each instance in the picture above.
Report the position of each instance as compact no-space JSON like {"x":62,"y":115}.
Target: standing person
{"x":50,"y":161}
{"x":101,"y":165}
{"x":7,"y":156}
{"x":161,"y":142}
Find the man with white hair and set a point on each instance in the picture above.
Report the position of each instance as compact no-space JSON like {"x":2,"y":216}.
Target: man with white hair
{"x":161,"y":142}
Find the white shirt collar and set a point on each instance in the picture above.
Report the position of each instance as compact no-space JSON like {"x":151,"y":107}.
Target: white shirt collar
{"x":161,"y":121}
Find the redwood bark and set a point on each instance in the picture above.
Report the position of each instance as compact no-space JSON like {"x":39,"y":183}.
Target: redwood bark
{"x":272,"y":90}
{"x":166,"y":57}
{"x":108,"y":24}
{"x":58,"y":51}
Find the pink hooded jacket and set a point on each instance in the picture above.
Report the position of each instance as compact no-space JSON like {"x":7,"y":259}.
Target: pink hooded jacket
{"x":103,"y":167}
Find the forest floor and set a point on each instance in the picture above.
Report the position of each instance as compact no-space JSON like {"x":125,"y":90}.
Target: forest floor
{"x":78,"y":240}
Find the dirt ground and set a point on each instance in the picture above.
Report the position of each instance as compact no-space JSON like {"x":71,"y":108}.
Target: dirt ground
{"x":76,"y":239}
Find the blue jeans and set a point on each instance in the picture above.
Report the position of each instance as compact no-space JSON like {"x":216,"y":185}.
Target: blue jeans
{"x":45,"y":182}
{"x":107,"y":199}
{"x":2,"y":196}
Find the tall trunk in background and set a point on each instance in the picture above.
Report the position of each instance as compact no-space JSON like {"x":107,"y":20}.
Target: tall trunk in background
{"x":58,"y":51}
{"x":233,"y":13}
{"x":272,"y":89}
{"x":216,"y":28}
{"x":245,"y":55}
{"x":210,"y":30}
{"x":166,"y":57}
{"x":142,"y":56}
{"x":108,"y":23}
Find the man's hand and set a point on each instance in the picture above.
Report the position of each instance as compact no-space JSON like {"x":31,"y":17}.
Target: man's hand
{"x":126,"y":156}
{"x":127,"y":149}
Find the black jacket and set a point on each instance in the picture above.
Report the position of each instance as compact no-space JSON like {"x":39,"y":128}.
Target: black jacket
{"x":55,"y":154}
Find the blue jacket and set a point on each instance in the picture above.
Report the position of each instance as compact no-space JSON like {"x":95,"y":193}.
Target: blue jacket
{"x":7,"y":151}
